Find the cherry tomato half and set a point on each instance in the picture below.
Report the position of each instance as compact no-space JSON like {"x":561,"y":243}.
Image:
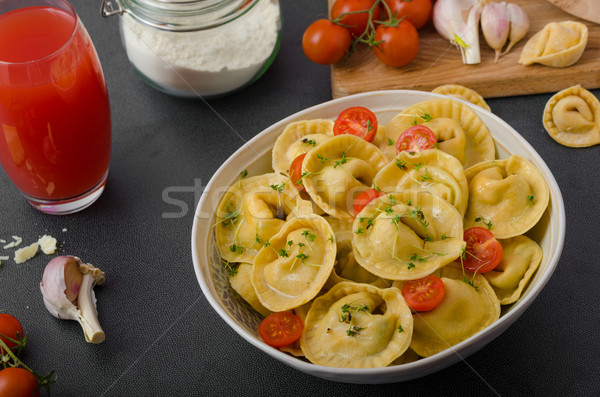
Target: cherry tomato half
{"x":326,"y":43}
{"x":280,"y":329}
{"x":18,"y":382}
{"x":424,"y":294}
{"x":398,"y":43}
{"x":365,"y":198}
{"x":10,"y":327}
{"x":351,"y":15}
{"x":483,"y":252}
{"x":296,"y":172}
{"x":418,"y":12}
{"x":416,"y":139}
{"x":357,"y":121}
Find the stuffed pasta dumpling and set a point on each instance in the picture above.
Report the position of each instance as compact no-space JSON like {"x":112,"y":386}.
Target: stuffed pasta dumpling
{"x":357,"y":326}
{"x":572,"y":117}
{"x":558,"y":44}
{"x":462,"y":92}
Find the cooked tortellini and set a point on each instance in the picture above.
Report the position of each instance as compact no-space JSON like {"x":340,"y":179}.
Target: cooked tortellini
{"x":508,"y":196}
{"x":297,"y":138}
{"x":431,"y":170}
{"x":469,"y":305}
{"x":462,"y":92}
{"x":458,"y":129}
{"x":521,"y":257}
{"x":251,"y":211}
{"x":240,"y":282}
{"x":407,"y":235}
{"x":558,"y":44}
{"x":337,"y":171}
{"x":572,"y":117}
{"x":340,"y":263}
{"x":357,"y":326}
{"x":293,"y":266}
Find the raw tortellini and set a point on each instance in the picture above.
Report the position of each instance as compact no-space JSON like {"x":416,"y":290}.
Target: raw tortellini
{"x":572,"y":117}
{"x":357,"y":326}
{"x":508,"y":196}
{"x":462,"y":92}
{"x":558,"y":44}
{"x":460,"y":132}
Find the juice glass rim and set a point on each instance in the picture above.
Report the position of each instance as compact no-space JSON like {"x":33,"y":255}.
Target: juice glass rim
{"x":70,"y":9}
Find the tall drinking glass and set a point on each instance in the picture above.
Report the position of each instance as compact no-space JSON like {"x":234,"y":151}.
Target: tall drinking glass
{"x":55,"y":128}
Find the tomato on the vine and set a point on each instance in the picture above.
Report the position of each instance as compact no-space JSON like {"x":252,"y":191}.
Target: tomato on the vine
{"x":280,"y":329}
{"x":11,"y":328}
{"x":18,"y":382}
{"x":296,"y":172}
{"x":418,"y":12}
{"x":353,"y":17}
{"x":424,"y":294}
{"x":358,"y":121}
{"x":483,"y":252}
{"x":326,"y":43}
{"x":416,"y":139}
{"x":364,"y":198}
{"x":397,"y":42}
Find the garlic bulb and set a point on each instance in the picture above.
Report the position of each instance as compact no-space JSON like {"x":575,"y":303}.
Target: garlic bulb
{"x":495,"y":26}
{"x":458,"y":22}
{"x":519,"y":25}
{"x":67,"y":288}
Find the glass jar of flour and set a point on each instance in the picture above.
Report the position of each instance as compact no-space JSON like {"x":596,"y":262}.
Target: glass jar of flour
{"x":198,"y":48}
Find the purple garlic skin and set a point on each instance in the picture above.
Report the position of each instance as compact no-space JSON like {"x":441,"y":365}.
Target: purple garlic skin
{"x":495,"y":26}
{"x":67,"y":289}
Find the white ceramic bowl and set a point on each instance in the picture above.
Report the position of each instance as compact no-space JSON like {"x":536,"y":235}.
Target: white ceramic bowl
{"x":255,"y":156}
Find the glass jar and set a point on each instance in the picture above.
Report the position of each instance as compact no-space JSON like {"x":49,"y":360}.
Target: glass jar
{"x":199,"y":48}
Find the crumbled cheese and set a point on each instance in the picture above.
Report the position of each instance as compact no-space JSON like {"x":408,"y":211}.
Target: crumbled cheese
{"x":15,"y":243}
{"x":2,"y":241}
{"x":47,"y":244}
{"x":64,"y":230}
{"x":26,"y":253}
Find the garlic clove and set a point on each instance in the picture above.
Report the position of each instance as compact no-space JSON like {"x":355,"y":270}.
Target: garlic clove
{"x":519,"y":25}
{"x":495,"y":26}
{"x":67,"y":289}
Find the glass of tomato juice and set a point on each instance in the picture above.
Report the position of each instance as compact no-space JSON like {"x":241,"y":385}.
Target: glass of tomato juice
{"x":55,"y":127}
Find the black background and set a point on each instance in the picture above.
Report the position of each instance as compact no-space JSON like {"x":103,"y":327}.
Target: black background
{"x":163,"y":337}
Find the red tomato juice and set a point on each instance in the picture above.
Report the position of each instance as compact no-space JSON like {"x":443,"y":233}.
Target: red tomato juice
{"x":55,"y":130}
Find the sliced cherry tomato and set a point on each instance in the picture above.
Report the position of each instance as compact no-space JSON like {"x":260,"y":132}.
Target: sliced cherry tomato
{"x":18,"y":382}
{"x":418,"y":12}
{"x":365,"y":198}
{"x":398,"y":43}
{"x":296,"y":172}
{"x":483,"y":251}
{"x":424,"y":294}
{"x":357,"y":121}
{"x":11,"y":328}
{"x":416,"y":139}
{"x":326,"y":43}
{"x":355,"y":14}
{"x":280,"y":329}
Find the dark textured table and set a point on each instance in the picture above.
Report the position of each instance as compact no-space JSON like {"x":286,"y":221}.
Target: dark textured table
{"x":164,"y":339}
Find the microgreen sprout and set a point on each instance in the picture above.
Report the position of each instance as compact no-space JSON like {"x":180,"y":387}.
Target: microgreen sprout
{"x":401,"y":165}
{"x":400,"y":329}
{"x":311,"y":142}
{"x":485,"y":221}
{"x":341,"y":161}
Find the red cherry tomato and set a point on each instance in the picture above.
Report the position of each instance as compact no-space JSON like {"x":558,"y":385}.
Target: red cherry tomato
{"x":280,"y":329}
{"x":416,"y":139}
{"x":365,"y":198}
{"x":483,"y":251}
{"x":10,"y":327}
{"x":356,"y":20}
{"x":296,"y":172}
{"x":424,"y":294}
{"x":357,"y":121}
{"x":398,"y":43}
{"x":18,"y":382}
{"x":418,"y":12}
{"x":326,"y":43}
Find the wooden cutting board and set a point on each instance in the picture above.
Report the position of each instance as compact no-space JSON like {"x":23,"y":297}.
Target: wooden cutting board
{"x":585,"y":9}
{"x":438,"y":62}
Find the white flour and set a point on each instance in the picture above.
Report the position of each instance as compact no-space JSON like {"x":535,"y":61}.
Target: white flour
{"x":208,"y":62}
